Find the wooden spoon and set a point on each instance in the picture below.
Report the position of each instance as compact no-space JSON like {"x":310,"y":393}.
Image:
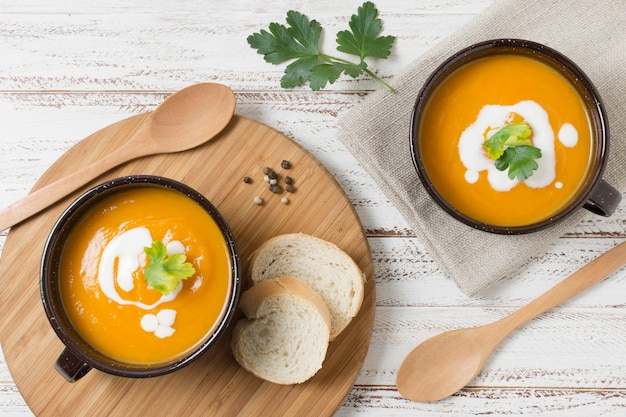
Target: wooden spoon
{"x":183,"y":121}
{"x":443,"y":364}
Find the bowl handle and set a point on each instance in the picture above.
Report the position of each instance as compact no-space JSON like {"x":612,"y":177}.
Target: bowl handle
{"x":603,"y":200}
{"x":70,"y":366}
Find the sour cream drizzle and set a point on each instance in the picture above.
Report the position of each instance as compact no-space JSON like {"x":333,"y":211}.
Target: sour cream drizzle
{"x":160,"y":324}
{"x":490,"y":119}
{"x":127,"y":248}
{"x":568,"y":135}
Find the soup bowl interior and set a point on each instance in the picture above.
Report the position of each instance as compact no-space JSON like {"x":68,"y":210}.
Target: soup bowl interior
{"x":564,"y":66}
{"x":76,"y":348}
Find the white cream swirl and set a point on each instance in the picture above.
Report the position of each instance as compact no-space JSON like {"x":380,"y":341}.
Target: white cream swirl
{"x":127,"y":248}
{"x":493,"y":117}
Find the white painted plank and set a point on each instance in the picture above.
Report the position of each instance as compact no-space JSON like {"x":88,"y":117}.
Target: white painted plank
{"x":406,"y":276}
{"x":539,"y":402}
{"x":119,"y":47}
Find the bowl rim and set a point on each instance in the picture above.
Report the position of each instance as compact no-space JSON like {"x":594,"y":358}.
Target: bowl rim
{"x":53,"y":305}
{"x":583,"y":84}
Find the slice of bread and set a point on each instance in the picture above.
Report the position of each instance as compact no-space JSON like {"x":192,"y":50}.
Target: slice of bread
{"x":326,"y":268}
{"x":286,"y":334}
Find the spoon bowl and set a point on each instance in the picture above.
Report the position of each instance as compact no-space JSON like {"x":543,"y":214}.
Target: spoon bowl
{"x":191,"y":116}
{"x":443,"y":364}
{"x":464,"y":358}
{"x":186,"y":119}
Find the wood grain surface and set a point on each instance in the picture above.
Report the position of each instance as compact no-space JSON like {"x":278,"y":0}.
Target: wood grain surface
{"x":215,"y":384}
{"x":69,"y":68}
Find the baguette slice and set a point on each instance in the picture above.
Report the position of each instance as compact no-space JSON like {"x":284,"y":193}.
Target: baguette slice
{"x":286,"y":334}
{"x":326,"y":268}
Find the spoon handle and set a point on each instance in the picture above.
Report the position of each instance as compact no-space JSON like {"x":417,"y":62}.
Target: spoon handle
{"x":592,"y":273}
{"x":44,"y":197}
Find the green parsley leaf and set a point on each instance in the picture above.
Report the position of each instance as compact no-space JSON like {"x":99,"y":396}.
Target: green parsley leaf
{"x":520,"y":161}
{"x":324,"y":73}
{"x":163,"y":273}
{"x":329,"y":73}
{"x":298,"y":72}
{"x":299,"y":41}
{"x":282,"y":44}
{"x":364,"y":41}
{"x":514,"y":134}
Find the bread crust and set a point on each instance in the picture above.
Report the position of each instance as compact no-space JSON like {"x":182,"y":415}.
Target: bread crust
{"x":252,"y":299}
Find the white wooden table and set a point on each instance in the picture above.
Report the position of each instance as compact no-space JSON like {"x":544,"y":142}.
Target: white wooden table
{"x":70,"y":68}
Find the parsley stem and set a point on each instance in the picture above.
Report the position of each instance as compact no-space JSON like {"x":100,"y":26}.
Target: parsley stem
{"x":380,"y":81}
{"x":333,"y":59}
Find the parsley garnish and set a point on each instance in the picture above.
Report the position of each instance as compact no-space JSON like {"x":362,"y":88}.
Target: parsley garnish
{"x":163,"y":272}
{"x":300,"y":42}
{"x":520,"y":160}
{"x":512,"y":149}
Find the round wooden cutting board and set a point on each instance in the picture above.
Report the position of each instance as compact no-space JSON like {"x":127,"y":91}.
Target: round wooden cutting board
{"x":215,"y":384}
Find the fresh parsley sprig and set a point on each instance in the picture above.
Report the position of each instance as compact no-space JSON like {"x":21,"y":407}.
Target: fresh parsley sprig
{"x":512,"y":149}
{"x":520,"y":161}
{"x":163,"y":272}
{"x":300,"y":42}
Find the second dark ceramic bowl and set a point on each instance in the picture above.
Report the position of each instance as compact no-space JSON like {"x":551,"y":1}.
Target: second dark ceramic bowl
{"x":78,"y":356}
{"x":594,"y":194}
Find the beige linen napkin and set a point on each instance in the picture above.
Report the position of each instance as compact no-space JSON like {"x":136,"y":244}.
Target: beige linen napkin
{"x":591,"y":33}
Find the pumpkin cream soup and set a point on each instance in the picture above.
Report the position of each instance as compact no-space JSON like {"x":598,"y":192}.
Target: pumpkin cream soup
{"x":506,"y":140}
{"x":145,"y":275}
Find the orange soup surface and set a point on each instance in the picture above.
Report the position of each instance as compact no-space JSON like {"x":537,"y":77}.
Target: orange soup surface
{"x":102,"y":282}
{"x":479,"y":98}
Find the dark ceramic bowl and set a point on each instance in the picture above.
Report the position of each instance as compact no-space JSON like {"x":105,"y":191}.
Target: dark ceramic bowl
{"x":594,"y":194}
{"x":78,"y":356}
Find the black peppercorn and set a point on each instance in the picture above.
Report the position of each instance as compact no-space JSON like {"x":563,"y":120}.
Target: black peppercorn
{"x":285,"y":164}
{"x":288,"y":180}
{"x":247,"y":180}
{"x":290,"y":188}
{"x":275,"y":188}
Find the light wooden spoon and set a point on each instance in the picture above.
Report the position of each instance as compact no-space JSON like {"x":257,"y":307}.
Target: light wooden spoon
{"x":183,"y":121}
{"x":443,"y":364}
